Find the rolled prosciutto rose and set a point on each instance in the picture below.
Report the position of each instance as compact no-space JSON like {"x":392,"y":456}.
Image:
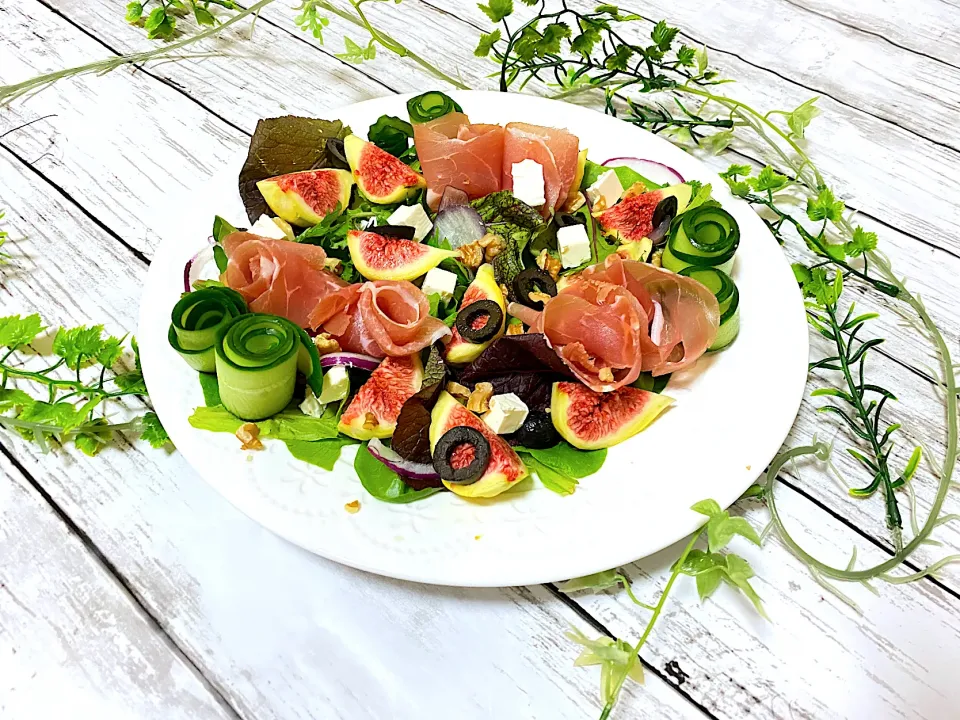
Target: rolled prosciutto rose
{"x":379,"y":318}
{"x":278,"y":277}
{"x":622,"y":317}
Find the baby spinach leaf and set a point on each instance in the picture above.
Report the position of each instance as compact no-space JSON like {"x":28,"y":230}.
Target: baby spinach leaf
{"x":383,"y":483}
{"x":291,"y":424}
{"x":211,"y":389}
{"x":322,"y":453}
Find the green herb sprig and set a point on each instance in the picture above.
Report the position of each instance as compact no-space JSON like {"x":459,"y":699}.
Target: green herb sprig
{"x":159,"y":17}
{"x":76,"y":388}
{"x":712,"y":567}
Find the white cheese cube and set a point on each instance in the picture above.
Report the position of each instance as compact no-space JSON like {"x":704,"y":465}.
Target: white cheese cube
{"x":412,"y":216}
{"x":507,"y":413}
{"x":605,"y":192}
{"x":528,"y":183}
{"x":574,"y":245}
{"x":336,"y":385}
{"x":441,"y":282}
{"x":368,"y":223}
{"x":266,"y":227}
{"x":311,"y":406}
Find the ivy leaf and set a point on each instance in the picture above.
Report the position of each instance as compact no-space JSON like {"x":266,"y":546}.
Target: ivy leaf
{"x":718,"y":141}
{"x":78,"y":344}
{"x":863,"y":241}
{"x":800,"y":118}
{"x":736,"y":171}
{"x":725,"y":530}
{"x":552,"y":35}
{"x":585,"y":41}
{"x":738,"y":573}
{"x":16,"y":331}
{"x":160,"y":24}
{"x":663,"y":35}
{"x":769,"y":179}
{"x":58,"y":415}
{"x":355,"y":53}
{"x":497,"y":10}
{"x":710,"y":508}
{"x":487,"y":41}
{"x":134,"y":12}
{"x":703,"y":60}
{"x":91,"y":441}
{"x":613,"y":657}
{"x":596,"y":582}
{"x":203,"y":16}
{"x":825,"y":206}
{"x":820,"y":288}
{"x":686,"y":56}
{"x":14,"y":399}
{"x":619,"y":59}
{"x":153,"y":431}
{"x":110,"y":351}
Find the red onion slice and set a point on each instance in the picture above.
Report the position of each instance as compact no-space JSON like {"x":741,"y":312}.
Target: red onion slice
{"x":452,"y":197}
{"x":348,"y":359}
{"x":196,"y":267}
{"x":460,"y":225}
{"x":412,"y":470}
{"x":650,"y":169}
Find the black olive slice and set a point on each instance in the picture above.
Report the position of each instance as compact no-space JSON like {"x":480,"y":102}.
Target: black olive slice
{"x":471,"y":313}
{"x":666,"y":210}
{"x":537,"y":432}
{"x":534,"y":280}
{"x":449,"y":442}
{"x":404,"y":232}
{"x":335,"y":148}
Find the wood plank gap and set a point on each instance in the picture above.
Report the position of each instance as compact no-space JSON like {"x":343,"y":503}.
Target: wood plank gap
{"x":872,"y":33}
{"x":93,"y":218}
{"x":150,"y":618}
{"x":584,"y":615}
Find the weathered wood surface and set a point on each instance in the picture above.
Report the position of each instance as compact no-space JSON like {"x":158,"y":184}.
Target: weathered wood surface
{"x":172,"y":126}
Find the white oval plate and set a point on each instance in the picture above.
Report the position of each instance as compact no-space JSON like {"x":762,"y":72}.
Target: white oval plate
{"x":731,"y":415}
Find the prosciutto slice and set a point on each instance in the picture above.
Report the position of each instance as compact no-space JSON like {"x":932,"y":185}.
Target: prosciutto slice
{"x":622,"y":317}
{"x":453,"y":151}
{"x":554,"y":149}
{"x":278,"y":277}
{"x":379,"y":318}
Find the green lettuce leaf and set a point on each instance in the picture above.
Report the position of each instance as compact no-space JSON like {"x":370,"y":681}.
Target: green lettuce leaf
{"x":291,"y":424}
{"x":383,"y":483}
{"x":322,"y":453}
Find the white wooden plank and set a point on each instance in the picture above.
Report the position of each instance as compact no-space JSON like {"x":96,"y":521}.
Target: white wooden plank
{"x":925,"y":26}
{"x":816,"y":658}
{"x":72,"y":644}
{"x":281,"y":633}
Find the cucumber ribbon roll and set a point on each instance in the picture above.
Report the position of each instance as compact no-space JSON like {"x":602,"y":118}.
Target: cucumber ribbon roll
{"x":257,"y":358}
{"x":706,"y":236}
{"x":197,"y":318}
{"x":430,"y":106}
{"x":727,"y":294}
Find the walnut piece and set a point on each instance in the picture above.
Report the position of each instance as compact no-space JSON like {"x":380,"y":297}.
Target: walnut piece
{"x":460,"y":392}
{"x":249,"y":435}
{"x":546,"y":261}
{"x":605,"y":375}
{"x":472,"y":255}
{"x":575,"y":203}
{"x":657,"y":260}
{"x":326,"y":344}
{"x":479,"y":401}
{"x":515,"y":328}
{"x":492,"y":245}
{"x":370,"y":421}
{"x":352,"y":507}
{"x":537,"y":296}
{"x":334,"y":265}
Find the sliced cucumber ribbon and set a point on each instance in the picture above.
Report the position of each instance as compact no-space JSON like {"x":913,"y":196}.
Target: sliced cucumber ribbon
{"x":727,"y":294}
{"x":257,"y":358}
{"x":197,"y":318}
{"x":706,"y":236}
{"x":430,"y":106}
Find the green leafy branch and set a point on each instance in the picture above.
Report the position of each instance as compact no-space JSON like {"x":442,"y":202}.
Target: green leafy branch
{"x":75,"y":388}
{"x":159,"y":17}
{"x":712,"y":567}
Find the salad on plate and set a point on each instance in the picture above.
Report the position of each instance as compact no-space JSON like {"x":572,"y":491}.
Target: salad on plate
{"x":477,"y":304}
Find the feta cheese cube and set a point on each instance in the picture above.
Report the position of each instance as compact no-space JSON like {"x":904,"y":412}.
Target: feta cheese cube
{"x":574,"y":245}
{"x":412,"y":216}
{"x":266,"y":227}
{"x":336,"y":385}
{"x":441,"y":282}
{"x":507,"y":414}
{"x":605,"y":192}
{"x":368,"y":223}
{"x":528,"y":183}
{"x":311,"y":406}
